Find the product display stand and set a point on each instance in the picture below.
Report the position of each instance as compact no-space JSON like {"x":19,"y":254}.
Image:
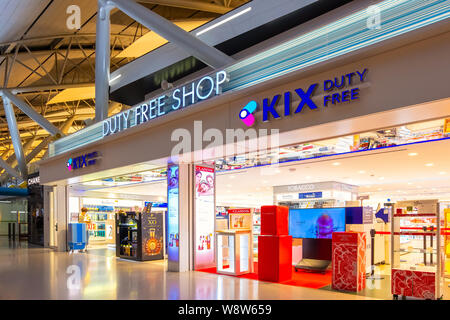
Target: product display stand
{"x":349,"y":261}
{"x":139,"y":236}
{"x":234,"y":252}
{"x":412,"y":274}
{"x":372,"y":275}
{"x":274,"y":245}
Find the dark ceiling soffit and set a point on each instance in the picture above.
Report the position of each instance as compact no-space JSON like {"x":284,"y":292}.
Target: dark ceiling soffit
{"x":136,"y":91}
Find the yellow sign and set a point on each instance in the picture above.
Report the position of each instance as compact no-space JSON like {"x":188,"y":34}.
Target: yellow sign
{"x":447,"y":125}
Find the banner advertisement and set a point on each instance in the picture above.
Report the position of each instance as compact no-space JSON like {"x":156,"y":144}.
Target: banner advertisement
{"x":173,"y":212}
{"x":152,"y":234}
{"x":240,"y":218}
{"x":204,"y":217}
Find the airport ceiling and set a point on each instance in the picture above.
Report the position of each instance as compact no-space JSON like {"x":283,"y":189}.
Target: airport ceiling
{"x":41,"y":55}
{"x":47,"y":59}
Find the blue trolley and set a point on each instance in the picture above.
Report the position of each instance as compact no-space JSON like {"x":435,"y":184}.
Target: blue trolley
{"x":77,"y":236}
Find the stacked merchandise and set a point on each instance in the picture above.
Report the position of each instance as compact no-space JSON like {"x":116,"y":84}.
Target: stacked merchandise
{"x":99,"y":221}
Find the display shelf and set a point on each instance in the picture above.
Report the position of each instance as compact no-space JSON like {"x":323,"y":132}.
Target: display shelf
{"x":416,"y":250}
{"x":415,"y":215}
{"x":405,"y":233}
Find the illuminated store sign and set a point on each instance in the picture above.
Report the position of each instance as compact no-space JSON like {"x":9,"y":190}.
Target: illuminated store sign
{"x":173,"y":213}
{"x":335,"y":91}
{"x":34,"y":180}
{"x":204,"y":88}
{"x":83,"y":161}
{"x":205,"y":214}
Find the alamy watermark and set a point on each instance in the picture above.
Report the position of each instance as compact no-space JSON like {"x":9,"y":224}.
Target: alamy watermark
{"x":213,"y":143}
{"x":73,"y":21}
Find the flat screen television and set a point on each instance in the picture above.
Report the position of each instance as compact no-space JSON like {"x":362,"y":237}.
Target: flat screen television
{"x":316,"y":223}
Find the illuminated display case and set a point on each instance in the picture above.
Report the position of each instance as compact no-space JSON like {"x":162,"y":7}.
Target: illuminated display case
{"x":417,"y":250}
{"x":234,"y":253}
{"x":140,"y":236}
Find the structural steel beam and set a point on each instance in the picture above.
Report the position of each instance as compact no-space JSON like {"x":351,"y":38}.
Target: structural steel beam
{"x":189,"y":4}
{"x":169,"y":31}
{"x":102,"y":61}
{"x":9,"y":169}
{"x":29,"y":111}
{"x":15,"y":135}
{"x":64,"y":128}
{"x":50,"y":87}
{"x":38,"y":149}
{"x":12,"y":161}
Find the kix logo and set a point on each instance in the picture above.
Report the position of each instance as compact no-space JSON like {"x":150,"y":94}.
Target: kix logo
{"x":82,"y":161}
{"x":246,"y":113}
{"x":339,"y":90}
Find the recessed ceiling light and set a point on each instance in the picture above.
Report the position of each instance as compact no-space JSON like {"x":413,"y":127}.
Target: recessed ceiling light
{"x":361,"y":171}
{"x":442,"y":172}
{"x":412,"y":154}
{"x":429,"y":164}
{"x":410,"y":183}
{"x":381,"y":178}
{"x":336,"y":163}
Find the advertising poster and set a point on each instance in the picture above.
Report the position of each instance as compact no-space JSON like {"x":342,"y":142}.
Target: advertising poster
{"x":172,"y":210}
{"x":204,"y":216}
{"x":152,"y":235}
{"x":240,"y":218}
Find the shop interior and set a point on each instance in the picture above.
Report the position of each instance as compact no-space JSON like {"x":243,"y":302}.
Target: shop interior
{"x":377,"y":177}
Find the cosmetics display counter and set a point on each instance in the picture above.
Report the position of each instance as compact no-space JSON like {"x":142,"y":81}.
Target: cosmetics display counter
{"x":234,"y":252}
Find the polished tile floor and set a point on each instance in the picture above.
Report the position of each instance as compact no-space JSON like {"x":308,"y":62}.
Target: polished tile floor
{"x":38,"y":273}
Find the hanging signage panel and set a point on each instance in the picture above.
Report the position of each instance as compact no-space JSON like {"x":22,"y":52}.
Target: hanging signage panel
{"x":173,"y":213}
{"x":310,"y":195}
{"x":204,"y":217}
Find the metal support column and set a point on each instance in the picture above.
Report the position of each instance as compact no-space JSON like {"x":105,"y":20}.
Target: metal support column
{"x":15,"y":136}
{"x":102,"y":61}
{"x":169,"y":31}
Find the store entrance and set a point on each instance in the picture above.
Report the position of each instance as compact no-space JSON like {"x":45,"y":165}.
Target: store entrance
{"x":372,"y":183}
{"x":123,"y":215}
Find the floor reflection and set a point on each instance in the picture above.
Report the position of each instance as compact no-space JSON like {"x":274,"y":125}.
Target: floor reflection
{"x":38,"y":273}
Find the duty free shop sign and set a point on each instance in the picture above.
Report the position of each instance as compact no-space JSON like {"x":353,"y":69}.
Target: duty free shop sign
{"x":184,"y":96}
